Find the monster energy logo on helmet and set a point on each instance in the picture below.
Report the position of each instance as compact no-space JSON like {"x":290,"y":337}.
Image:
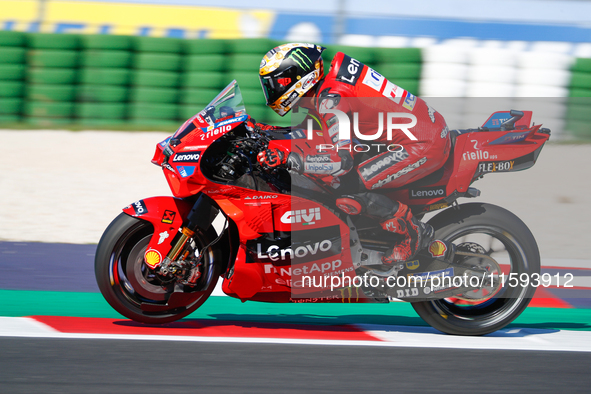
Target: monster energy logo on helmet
{"x":300,"y":58}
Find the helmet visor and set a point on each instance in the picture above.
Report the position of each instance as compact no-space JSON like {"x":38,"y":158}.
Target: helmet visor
{"x":277,"y":83}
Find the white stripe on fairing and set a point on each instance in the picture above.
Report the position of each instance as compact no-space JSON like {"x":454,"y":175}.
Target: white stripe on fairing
{"x":389,"y":336}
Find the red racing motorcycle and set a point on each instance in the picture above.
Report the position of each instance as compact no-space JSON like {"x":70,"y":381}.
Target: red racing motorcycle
{"x":230,"y":218}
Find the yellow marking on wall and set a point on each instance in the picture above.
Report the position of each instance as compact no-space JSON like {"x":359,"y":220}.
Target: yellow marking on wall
{"x":131,"y":19}
{"x":21,"y":12}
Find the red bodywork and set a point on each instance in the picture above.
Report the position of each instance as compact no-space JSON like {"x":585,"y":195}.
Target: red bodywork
{"x":262,"y":271}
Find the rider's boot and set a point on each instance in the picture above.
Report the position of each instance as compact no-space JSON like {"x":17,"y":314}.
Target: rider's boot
{"x":417,"y":235}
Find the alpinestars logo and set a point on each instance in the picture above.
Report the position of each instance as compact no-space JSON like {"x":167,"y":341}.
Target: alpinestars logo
{"x":404,"y":171}
{"x":374,"y":167}
{"x":305,"y":216}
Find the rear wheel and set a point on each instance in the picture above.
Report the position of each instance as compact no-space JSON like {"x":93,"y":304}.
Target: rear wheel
{"x":506,"y":239}
{"x":136,"y":291}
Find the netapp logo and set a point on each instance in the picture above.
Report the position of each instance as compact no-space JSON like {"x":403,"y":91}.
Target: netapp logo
{"x":187,"y":157}
{"x":427,"y":192}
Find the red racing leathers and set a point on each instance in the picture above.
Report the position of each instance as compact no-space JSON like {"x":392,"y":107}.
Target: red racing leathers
{"x":365,"y":123}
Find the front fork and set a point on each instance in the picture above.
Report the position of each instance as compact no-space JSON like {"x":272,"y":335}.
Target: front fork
{"x":200,"y":217}
{"x":168,"y":215}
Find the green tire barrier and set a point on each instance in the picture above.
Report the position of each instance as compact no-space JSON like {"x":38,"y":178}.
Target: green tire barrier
{"x":412,"y":85}
{"x":160,"y":79}
{"x":158,"y":44}
{"x":53,"y":41}
{"x":154,"y":95}
{"x":105,"y":59}
{"x":197,"y":96}
{"x":580,"y":80}
{"x":257,"y":112}
{"x":400,"y":70}
{"x":12,"y":55}
{"x":258,"y":46}
{"x":102,"y":93}
{"x":398,"y":55}
{"x":51,"y":93}
{"x":44,"y":121}
{"x":104,"y":76}
{"x":579,"y":93}
{"x":12,"y":72}
{"x":11,"y":88}
{"x":579,"y":129}
{"x":213,"y":80}
{"x":101,"y":110}
{"x":110,"y":124}
{"x":245,"y":79}
{"x":52,"y":58}
{"x":157,"y":61}
{"x":51,"y":75}
{"x":205,"y":47}
{"x":252,"y":97}
{"x":204,"y":63}
{"x":582,"y":65}
{"x":107,"y":42}
{"x":188,"y":111}
{"x":245,"y":62}
{"x":157,"y":81}
{"x":579,"y":112}
{"x":40,"y":109}
{"x":12,"y":38}
{"x":9,"y":119}
{"x":10,"y":106}
{"x":153,"y":111}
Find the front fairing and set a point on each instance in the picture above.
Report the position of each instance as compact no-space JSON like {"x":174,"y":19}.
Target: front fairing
{"x":180,"y":155}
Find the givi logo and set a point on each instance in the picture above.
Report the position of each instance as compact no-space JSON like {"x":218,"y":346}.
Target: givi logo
{"x":304,"y":216}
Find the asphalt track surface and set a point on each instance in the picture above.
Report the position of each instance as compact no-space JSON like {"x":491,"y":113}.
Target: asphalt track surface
{"x":113,"y":366}
{"x":55,"y":273}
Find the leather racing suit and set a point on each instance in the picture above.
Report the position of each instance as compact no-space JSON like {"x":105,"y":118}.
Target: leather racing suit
{"x":414,"y":142}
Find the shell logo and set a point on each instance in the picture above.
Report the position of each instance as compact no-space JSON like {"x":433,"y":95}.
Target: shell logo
{"x":152,"y":258}
{"x":437,"y":248}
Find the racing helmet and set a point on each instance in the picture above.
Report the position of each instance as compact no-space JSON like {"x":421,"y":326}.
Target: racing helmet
{"x":289,"y":71}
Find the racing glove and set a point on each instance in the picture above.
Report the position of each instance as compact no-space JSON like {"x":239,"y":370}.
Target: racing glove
{"x":272,"y":158}
{"x":417,"y":235}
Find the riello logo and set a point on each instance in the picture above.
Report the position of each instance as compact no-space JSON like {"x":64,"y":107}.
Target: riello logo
{"x":345,"y":125}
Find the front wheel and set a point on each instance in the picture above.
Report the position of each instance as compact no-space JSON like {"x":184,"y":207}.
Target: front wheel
{"x":137,"y":292}
{"x":505,"y":238}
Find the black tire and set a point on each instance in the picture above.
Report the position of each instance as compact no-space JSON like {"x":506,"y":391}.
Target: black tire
{"x":520,"y":251}
{"x":124,"y":241}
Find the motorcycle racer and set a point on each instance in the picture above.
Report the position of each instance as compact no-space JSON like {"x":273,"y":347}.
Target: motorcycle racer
{"x":293,"y":71}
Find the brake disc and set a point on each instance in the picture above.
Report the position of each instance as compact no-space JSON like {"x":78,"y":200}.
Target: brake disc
{"x":488,"y":272}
